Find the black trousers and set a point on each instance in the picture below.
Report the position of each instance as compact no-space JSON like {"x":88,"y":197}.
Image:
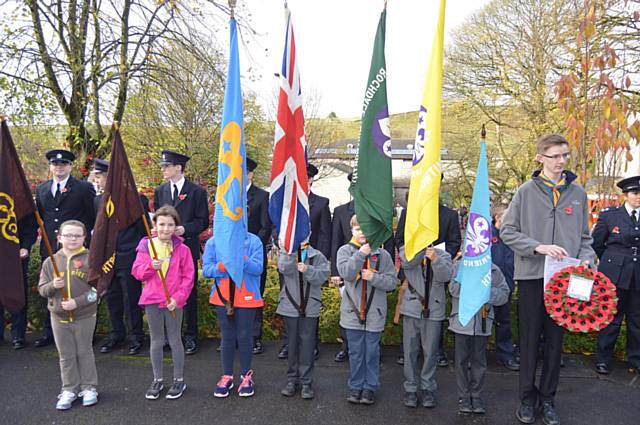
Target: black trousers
{"x":191,"y":308}
{"x":122,"y":300}
{"x":534,"y":321}
{"x":629,"y":307}
{"x":257,"y":323}
{"x":302,"y":331}
{"x":18,"y":318}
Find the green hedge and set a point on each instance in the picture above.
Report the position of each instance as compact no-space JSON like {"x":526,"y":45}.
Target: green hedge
{"x":273,"y":325}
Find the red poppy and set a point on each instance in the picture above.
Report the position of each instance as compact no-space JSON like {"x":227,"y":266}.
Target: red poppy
{"x":182,"y":197}
{"x":568,"y":210}
{"x":494,"y":239}
{"x":77,"y":264}
{"x":615,"y":230}
{"x":64,"y":190}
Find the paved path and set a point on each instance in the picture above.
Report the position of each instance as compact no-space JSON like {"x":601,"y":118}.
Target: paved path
{"x":30,"y":382}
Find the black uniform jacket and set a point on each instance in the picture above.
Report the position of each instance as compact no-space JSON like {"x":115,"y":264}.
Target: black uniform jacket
{"x":616,"y":241}
{"x":320,"y":217}
{"x":258,"y":221}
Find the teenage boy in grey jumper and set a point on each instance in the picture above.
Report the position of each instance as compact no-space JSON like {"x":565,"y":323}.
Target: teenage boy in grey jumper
{"x":363,"y":317}
{"x":471,"y":341}
{"x":548,"y":216}
{"x":421,"y":321}
{"x":301,"y":313}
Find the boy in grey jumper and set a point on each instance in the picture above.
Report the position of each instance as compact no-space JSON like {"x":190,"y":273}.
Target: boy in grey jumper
{"x":547,"y":216}
{"x":421,"y":321}
{"x":471,"y":341}
{"x":368,"y":276}
{"x":301,"y":312}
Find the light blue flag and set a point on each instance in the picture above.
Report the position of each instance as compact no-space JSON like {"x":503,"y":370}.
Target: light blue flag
{"x":474,"y":273}
{"x":230,"y":218}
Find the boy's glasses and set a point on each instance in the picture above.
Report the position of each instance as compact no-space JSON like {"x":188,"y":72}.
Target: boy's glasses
{"x":556,"y":157}
{"x":72,"y":236}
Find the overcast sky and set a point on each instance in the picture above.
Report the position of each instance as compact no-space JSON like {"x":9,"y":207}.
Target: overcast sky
{"x":334,"y":41}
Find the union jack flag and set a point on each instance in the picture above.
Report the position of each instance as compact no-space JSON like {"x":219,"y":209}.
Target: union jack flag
{"x":289,"y":194}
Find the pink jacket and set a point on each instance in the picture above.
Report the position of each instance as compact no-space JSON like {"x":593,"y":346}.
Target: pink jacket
{"x":179,"y":278}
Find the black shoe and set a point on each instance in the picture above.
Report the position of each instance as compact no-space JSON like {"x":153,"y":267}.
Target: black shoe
{"x":549,"y":415}
{"x":289,"y":390}
{"x":526,"y":413}
{"x":316,"y":354}
{"x":135,"y":347}
{"x":400,"y":360}
{"x":284,"y":352}
{"x":219,"y":347}
{"x":307,"y":392}
{"x":465,"y":406}
{"x":428,"y":399}
{"x":109,"y":344}
{"x":511,"y":364}
{"x":341,"y":356}
{"x":153,"y":393}
{"x":257,"y":347}
{"x":411,"y":399}
{"x":176,"y":390}
{"x":17,"y":343}
{"x":442,"y":360}
{"x":43,"y":341}
{"x":367,"y":397}
{"x":561,"y":361}
{"x":190,"y":346}
{"x":602,"y":368}
{"x":478,"y":406}
{"x":354,"y":396}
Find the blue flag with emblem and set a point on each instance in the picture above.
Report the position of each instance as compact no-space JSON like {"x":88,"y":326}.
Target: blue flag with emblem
{"x":230,"y":217}
{"x":474,"y":272}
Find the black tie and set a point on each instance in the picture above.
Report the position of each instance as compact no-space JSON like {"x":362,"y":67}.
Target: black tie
{"x":634,"y":218}
{"x":175,"y":194}
{"x":57,"y":195}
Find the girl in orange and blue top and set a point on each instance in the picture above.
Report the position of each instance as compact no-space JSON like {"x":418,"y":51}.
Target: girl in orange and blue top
{"x":176,"y":265}
{"x":236,"y":329}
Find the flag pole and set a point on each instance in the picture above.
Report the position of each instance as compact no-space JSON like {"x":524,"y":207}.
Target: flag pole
{"x":483,"y":136}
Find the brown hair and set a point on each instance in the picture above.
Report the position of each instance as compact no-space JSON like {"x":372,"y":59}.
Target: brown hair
{"x":498,"y":210}
{"x":547,"y":141}
{"x":76,"y":223}
{"x":167,"y":211}
{"x":354,"y":221}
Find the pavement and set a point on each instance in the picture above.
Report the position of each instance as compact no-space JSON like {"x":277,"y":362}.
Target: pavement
{"x":30,"y":381}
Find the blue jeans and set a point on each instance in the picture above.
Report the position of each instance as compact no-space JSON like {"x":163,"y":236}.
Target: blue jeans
{"x":364,"y":359}
{"x":236,"y":330}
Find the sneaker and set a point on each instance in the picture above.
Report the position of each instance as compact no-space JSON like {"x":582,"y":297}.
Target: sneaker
{"x":549,"y":415}
{"x":465,"y":406}
{"x":65,"y":400}
{"x":224,"y":385}
{"x":176,"y":390}
{"x":478,"y":406}
{"x":307,"y":392}
{"x":354,"y":396}
{"x":154,"y":390}
{"x":289,"y":390}
{"x":89,"y":397}
{"x":411,"y":399}
{"x":428,"y":399}
{"x":441,"y":360}
{"x":246,"y":385}
{"x":367,"y":397}
{"x":526,"y":413}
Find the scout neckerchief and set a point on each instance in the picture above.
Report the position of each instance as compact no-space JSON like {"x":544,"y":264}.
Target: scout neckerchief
{"x":304,"y":297}
{"x":554,"y":189}
{"x":164,"y":249}
{"x":365,"y":304}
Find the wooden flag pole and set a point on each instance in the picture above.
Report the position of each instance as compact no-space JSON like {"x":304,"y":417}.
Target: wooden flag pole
{"x":155,"y":257}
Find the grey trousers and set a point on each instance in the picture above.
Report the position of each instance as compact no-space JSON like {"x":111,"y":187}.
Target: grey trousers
{"x":74,"y":341}
{"x":301,"y":332}
{"x":160,"y":319}
{"x":418,"y":333}
{"x":470,"y":351}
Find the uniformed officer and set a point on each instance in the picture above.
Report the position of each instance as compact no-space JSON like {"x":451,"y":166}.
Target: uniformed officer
{"x":341,"y":235}
{"x":320,"y":238}
{"x":616,"y":240}
{"x":260,"y":225}
{"x":191,"y":202}
{"x":124,"y":291}
{"x":60,"y":199}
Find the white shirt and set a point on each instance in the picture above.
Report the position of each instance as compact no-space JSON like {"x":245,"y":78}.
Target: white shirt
{"x":179,"y":183}
{"x":248,"y":187}
{"x":630,"y":210}
{"x":54,"y":185}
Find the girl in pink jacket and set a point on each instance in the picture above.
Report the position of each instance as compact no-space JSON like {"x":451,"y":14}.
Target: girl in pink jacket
{"x":164,"y":309}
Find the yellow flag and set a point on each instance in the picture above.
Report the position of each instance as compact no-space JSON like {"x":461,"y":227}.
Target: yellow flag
{"x":421,"y":227}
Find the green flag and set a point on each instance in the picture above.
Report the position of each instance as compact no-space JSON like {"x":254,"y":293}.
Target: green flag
{"x":371,"y":185}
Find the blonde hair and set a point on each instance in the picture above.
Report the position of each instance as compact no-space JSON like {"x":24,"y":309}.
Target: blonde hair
{"x":354,"y":221}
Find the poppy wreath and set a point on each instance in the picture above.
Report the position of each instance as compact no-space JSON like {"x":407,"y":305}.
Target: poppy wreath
{"x":576,"y":315}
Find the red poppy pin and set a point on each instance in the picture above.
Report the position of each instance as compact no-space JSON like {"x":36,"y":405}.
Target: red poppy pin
{"x":568,"y":210}
{"x":494,"y":239}
{"x":374,"y":258}
{"x":615,"y":230}
{"x":182,"y":197}
{"x":77,"y":264}
{"x":64,"y":190}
